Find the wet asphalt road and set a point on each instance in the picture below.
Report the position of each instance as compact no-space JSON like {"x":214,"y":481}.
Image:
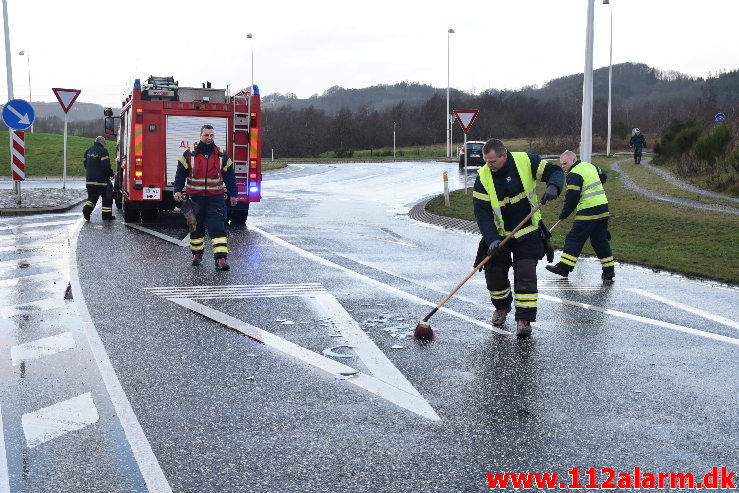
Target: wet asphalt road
{"x":641,"y":373}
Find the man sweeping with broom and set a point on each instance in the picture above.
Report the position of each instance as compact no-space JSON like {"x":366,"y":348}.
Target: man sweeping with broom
{"x":504,"y":196}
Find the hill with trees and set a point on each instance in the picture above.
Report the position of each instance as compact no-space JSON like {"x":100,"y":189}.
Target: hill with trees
{"x":344,"y":119}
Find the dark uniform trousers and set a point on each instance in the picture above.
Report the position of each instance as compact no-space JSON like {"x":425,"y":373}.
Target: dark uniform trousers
{"x":94,"y":192}
{"x":212,"y":214}
{"x":637,"y":154}
{"x":526,"y":251}
{"x":597,"y":231}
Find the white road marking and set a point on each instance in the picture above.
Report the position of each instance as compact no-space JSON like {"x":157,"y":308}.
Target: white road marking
{"x":35,"y":306}
{"x":377,"y":363}
{"x":59,"y":419}
{"x":375,"y":282}
{"x":696,"y":311}
{"x":399,"y":396}
{"x":184,"y":242}
{"x":149,"y":466}
{"x":659,"y":323}
{"x":238,"y":291}
{"x":42,"y":347}
{"x":4,"y":474}
{"x":15,"y":281}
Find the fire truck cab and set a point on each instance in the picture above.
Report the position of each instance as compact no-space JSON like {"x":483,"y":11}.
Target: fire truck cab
{"x":159,"y":120}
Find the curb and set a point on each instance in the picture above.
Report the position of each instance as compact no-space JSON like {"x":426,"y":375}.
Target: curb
{"x":419,"y":213}
{"x":41,"y":210}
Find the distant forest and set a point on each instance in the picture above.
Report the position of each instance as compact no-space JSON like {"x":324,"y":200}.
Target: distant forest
{"x":348,"y":119}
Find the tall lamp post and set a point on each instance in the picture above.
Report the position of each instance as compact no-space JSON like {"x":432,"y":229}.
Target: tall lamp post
{"x":610,"y":78}
{"x":30,"y":96}
{"x":586,"y":131}
{"x":448,"y":120}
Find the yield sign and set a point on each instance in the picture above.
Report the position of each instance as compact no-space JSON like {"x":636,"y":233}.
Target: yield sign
{"x":66,"y":97}
{"x":466,"y":118}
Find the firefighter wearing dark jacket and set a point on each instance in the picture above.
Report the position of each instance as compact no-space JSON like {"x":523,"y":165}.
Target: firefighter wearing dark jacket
{"x":586,"y":195}
{"x":209,"y":173}
{"x":98,"y":173}
{"x":637,"y":142}
{"x":504,"y":194}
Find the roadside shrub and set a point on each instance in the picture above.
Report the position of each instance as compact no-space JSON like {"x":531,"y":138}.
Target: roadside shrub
{"x":676,"y":139}
{"x":734,"y":161}
{"x":711,"y":145}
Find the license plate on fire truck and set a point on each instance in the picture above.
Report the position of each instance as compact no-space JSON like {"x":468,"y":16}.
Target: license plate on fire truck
{"x":152,"y":193}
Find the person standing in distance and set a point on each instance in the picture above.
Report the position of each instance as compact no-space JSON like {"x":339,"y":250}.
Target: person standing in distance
{"x":209,"y":172}
{"x":586,"y":194}
{"x":98,"y":173}
{"x":504,"y":194}
{"x":637,"y":142}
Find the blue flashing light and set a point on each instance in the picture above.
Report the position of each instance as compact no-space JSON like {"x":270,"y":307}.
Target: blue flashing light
{"x":254,"y":188}
{"x":137,"y":84}
{"x":256,"y":90}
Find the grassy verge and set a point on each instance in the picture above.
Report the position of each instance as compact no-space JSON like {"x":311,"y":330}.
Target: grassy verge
{"x":651,"y":181}
{"x":645,"y":232}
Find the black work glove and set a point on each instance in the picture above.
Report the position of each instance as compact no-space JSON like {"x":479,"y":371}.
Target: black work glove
{"x":551,"y":193}
{"x":494,"y":248}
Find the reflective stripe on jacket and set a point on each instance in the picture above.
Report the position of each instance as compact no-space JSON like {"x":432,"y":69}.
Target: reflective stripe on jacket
{"x":523,"y":167}
{"x":592,"y":202}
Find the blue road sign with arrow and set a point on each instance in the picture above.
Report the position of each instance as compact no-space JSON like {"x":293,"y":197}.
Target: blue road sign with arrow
{"x":720,"y":117}
{"x":18,"y":114}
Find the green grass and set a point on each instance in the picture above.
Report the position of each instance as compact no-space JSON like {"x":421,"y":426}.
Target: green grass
{"x":645,"y":232}
{"x":45,"y":154}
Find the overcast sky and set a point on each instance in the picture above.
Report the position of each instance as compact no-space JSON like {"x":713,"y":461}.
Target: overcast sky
{"x":305,"y":47}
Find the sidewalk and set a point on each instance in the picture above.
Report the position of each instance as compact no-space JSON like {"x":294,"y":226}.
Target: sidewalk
{"x":41,"y":196}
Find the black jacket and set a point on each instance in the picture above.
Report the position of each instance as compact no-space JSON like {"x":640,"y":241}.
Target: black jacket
{"x":638,"y":140}
{"x":97,"y":165}
{"x":508,"y":184}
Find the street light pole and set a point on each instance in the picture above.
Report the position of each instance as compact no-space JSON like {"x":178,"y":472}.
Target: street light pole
{"x":586,"y":131}
{"x":393,"y":141}
{"x":30,"y":95}
{"x":610,"y":79}
{"x":448,"y":122}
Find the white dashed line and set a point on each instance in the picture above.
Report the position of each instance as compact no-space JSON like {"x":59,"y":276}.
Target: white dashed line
{"x":59,"y":419}
{"x":4,"y":474}
{"x":42,"y":347}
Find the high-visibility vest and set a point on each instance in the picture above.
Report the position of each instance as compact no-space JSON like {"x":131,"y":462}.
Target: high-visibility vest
{"x":523,"y":166}
{"x":205,"y":176}
{"x":592,"y":192}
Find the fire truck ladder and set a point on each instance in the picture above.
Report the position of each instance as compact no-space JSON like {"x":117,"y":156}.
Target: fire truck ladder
{"x":242,"y":121}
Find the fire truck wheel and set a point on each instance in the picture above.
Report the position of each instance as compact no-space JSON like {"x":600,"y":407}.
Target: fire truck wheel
{"x":130,"y":215}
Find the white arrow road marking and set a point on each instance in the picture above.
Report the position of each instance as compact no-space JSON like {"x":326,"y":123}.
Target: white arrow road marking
{"x":659,"y":323}
{"x":377,"y":363}
{"x":239,"y":291}
{"x":15,"y":281}
{"x":400,"y":396}
{"x":375,"y":282}
{"x":59,"y":419}
{"x":42,"y":347}
{"x":696,"y":311}
{"x":183,"y":242}
{"x":38,"y":224}
{"x":24,"y":119}
{"x":4,"y":474}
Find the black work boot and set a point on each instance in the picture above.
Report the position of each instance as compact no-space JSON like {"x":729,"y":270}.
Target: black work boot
{"x":197,"y":258}
{"x":523,"y":328}
{"x":221,"y":264}
{"x":110,"y":218}
{"x":558,"y":269}
{"x":608,"y":277}
{"x":86,"y":213}
{"x":500,"y":315}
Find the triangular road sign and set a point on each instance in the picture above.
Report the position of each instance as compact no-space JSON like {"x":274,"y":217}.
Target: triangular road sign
{"x":466,"y":118}
{"x":66,"y":97}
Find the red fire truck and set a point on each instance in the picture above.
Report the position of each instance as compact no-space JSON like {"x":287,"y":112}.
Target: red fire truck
{"x":159,"y":120}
